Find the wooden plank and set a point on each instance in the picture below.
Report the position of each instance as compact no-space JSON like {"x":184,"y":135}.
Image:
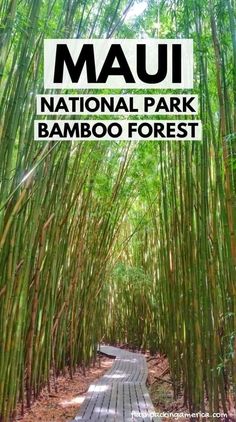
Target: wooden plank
{"x":112,"y":410}
{"x":127,"y":404}
{"x":134,"y":401}
{"x":120,"y":401}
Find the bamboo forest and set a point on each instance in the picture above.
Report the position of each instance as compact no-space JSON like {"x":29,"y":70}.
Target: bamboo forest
{"x":119,"y":242}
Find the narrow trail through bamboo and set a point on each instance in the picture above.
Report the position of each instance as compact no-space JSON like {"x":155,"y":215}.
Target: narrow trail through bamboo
{"x":121,"y":394}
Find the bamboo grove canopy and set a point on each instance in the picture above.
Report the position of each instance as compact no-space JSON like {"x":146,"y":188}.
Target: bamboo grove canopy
{"x":129,"y":242}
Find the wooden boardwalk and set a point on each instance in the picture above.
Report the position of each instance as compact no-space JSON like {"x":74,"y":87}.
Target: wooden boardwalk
{"x":121,"y":391}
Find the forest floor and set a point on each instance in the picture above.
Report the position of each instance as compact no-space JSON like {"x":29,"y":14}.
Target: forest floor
{"x":63,"y":405}
{"x":162,"y":395}
{"x":160,"y":388}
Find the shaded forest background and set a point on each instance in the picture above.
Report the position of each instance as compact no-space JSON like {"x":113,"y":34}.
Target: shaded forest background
{"x":125,"y":242}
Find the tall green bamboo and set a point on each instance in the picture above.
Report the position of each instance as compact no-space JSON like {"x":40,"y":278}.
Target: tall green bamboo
{"x":132,"y":242}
